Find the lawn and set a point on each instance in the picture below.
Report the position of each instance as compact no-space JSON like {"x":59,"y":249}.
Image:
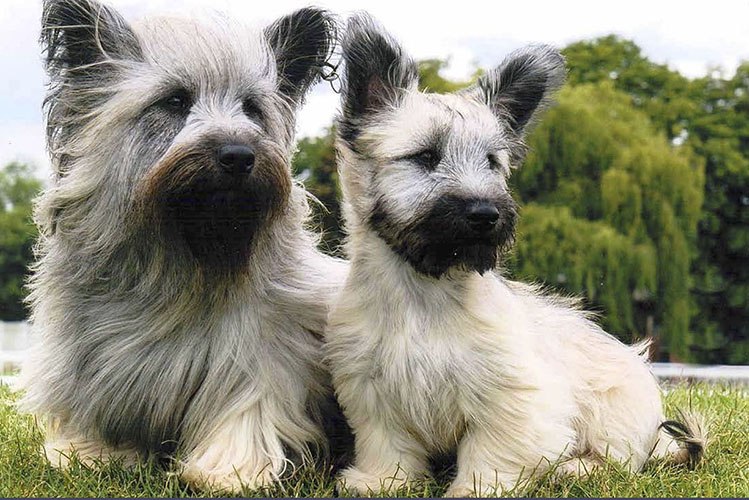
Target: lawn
{"x":724,"y":473}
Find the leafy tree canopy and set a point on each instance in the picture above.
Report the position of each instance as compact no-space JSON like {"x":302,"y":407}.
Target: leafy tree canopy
{"x":17,"y":234}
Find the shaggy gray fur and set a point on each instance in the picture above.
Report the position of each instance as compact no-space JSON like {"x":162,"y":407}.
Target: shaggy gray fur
{"x":173,"y":303}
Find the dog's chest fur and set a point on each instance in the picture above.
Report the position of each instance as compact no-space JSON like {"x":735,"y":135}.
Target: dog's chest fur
{"x":418,"y":368}
{"x":419,"y":353}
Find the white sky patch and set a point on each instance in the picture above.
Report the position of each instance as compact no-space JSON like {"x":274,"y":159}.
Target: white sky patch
{"x":318,"y":111}
{"x":24,"y":142}
{"x":691,"y":37}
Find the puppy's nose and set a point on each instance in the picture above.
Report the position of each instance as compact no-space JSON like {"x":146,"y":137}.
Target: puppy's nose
{"x":482,"y":216}
{"x":236,"y":159}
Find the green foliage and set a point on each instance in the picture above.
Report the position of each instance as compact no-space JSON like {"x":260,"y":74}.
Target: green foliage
{"x":17,"y":234}
{"x":633,"y":205}
{"x":430,"y":79}
{"x":664,"y":94}
{"x":725,"y":472}
{"x":720,"y":133}
{"x":711,"y":116}
{"x":586,"y":258}
{"x":315,"y":164}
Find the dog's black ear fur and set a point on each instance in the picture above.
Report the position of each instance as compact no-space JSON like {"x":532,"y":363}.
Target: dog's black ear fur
{"x":376,"y":71}
{"x":522,"y":85}
{"x":78,"y":34}
{"x":83,"y":42}
{"x":303,"y":42}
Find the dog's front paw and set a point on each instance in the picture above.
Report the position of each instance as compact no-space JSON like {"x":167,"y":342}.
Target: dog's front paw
{"x":459,"y":491}
{"x":60,"y":451}
{"x":354,"y":481}
{"x":226,"y":478}
{"x":577,"y":467}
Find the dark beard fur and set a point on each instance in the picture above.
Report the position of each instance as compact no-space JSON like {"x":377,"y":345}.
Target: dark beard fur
{"x":213,"y":214}
{"x":442,"y":239}
{"x":219,"y":223}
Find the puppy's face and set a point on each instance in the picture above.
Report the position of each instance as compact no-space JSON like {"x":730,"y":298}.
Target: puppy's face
{"x":185,"y":126}
{"x":427,"y":172}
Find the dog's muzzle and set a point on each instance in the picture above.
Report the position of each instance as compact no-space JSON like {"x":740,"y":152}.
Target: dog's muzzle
{"x":457,"y":232}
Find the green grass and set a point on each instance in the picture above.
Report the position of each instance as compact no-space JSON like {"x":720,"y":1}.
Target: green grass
{"x":724,"y":473}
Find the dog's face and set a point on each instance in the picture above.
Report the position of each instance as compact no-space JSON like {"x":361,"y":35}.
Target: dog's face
{"x":176,"y":124}
{"x":428,"y":173}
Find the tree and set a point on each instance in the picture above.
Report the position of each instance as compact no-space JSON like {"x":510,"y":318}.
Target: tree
{"x":620,"y":208}
{"x":720,"y":134}
{"x":664,"y":94}
{"x":711,"y":116}
{"x":17,"y":235}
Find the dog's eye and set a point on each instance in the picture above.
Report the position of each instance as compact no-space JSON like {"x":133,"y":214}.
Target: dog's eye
{"x":494,"y":162}
{"x":252,"y":110}
{"x":177,"y":102}
{"x":428,"y":159}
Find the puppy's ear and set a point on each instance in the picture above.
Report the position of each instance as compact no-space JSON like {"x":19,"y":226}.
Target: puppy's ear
{"x":377,"y":70}
{"x":522,"y":85}
{"x":78,"y":34}
{"x":302,"y":43}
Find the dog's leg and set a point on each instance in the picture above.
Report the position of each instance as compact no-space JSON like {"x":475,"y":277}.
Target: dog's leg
{"x":495,"y":459}
{"x":386,"y":459}
{"x":483,"y":468}
{"x":245,"y":450}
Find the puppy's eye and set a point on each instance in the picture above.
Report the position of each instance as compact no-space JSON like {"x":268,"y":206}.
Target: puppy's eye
{"x":178,"y":102}
{"x":252,"y":110}
{"x":428,"y":159}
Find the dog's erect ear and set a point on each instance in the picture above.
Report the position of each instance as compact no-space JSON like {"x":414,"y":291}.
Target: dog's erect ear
{"x":377,"y":70}
{"x":78,"y":34}
{"x":522,"y":85}
{"x":302,"y":43}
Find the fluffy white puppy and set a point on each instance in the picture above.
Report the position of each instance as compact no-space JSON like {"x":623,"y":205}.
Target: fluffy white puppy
{"x":430,"y":348}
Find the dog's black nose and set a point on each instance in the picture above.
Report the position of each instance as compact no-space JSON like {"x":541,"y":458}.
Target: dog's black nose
{"x":482,"y":216}
{"x":236,"y":159}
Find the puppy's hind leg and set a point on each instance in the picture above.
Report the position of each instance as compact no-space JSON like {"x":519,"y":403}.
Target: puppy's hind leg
{"x":580,"y":466}
{"x":498,"y":459}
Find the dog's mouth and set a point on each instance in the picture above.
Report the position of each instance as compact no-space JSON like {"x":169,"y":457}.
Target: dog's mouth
{"x":219,"y":222}
{"x":216,"y":212}
{"x":437,"y":258}
{"x":444,"y":239}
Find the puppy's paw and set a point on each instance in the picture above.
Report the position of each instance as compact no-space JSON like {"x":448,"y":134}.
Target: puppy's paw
{"x":354,"y":481}
{"x":576,"y":467}
{"x":459,"y":491}
{"x":484,"y":490}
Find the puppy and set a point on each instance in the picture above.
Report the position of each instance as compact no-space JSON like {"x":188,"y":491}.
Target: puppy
{"x":431,"y":350}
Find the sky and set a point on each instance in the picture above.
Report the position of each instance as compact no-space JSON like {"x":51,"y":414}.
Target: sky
{"x":691,"y":37}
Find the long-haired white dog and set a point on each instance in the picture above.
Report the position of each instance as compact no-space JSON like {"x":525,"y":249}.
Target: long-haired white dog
{"x":431,"y":350}
{"x":178,"y":300}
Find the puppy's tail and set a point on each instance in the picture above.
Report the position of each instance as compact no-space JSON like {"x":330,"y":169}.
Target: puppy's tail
{"x":685,"y":439}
